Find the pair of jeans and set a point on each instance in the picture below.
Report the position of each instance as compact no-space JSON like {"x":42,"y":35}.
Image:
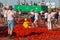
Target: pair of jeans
{"x":10,"y":24}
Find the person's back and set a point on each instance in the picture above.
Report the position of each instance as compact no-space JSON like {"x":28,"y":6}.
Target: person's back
{"x":53,"y":14}
{"x":49,"y":17}
{"x":10,"y":15}
{"x":49,"y":21}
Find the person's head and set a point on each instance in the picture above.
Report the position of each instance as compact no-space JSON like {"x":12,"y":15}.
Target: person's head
{"x":25,"y":19}
{"x":42,"y":9}
{"x":46,"y":11}
{"x":5,"y":8}
{"x":10,"y":8}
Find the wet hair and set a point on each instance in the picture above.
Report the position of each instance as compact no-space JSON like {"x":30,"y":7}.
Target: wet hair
{"x":46,"y":10}
{"x":52,"y":11}
{"x":5,"y":8}
{"x":10,"y":8}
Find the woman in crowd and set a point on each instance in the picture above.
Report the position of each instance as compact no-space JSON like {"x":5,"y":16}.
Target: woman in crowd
{"x":10,"y":20}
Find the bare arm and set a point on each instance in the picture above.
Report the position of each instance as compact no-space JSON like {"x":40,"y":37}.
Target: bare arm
{"x":14,"y":15}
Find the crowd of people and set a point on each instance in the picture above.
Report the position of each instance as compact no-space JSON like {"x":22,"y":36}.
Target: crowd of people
{"x":50,"y":19}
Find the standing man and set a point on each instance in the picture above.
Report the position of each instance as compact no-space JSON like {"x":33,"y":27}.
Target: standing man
{"x":53,"y":18}
{"x":36,"y":19}
{"x":32,"y":18}
{"x":49,"y":21}
{"x":46,"y":17}
{"x":10,"y":19}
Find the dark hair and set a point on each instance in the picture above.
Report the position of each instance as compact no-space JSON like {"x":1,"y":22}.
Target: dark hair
{"x":46,"y":10}
{"x":10,"y":7}
{"x":52,"y":10}
{"x":5,"y":8}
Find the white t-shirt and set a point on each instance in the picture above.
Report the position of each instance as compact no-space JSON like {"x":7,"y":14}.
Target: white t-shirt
{"x":5,"y":11}
{"x":49,"y":17}
{"x":46,"y":15}
{"x":10,"y":15}
{"x":53,"y":14}
{"x":36,"y":16}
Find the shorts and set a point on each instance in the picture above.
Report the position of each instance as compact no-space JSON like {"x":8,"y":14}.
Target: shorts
{"x":32,"y":17}
{"x":10,"y":24}
{"x":5,"y":20}
{"x":52,"y":21}
{"x":56,"y":17}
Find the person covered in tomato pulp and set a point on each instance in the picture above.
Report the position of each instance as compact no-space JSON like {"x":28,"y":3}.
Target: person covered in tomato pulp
{"x":26,"y":23}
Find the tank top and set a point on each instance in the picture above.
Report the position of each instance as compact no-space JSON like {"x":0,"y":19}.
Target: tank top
{"x":9,"y":16}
